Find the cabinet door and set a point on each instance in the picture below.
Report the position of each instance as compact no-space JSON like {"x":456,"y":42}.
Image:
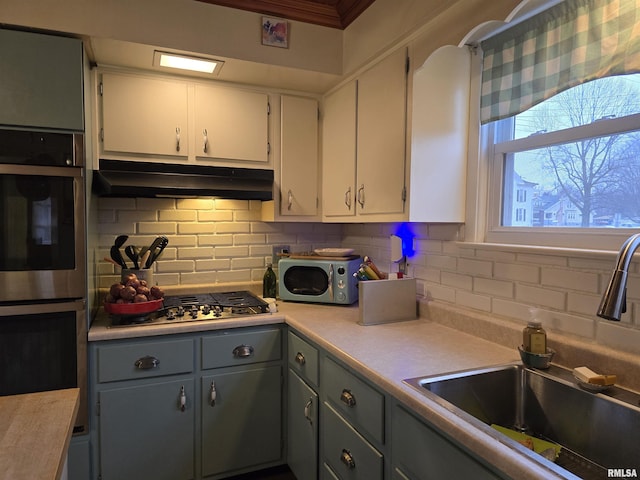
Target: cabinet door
{"x":299,"y":156}
{"x":144,"y":115}
{"x":231,"y":124}
{"x":302,"y":429}
{"x":439,"y":136}
{"x":422,"y":453}
{"x":41,"y":81}
{"x":339,"y":152}
{"x":145,"y":434}
{"x":242,"y":427}
{"x":381,"y":137}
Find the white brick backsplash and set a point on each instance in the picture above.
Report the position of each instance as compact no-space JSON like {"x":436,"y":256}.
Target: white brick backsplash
{"x":195,"y":252}
{"x":249,"y":239}
{"x":177,"y":216}
{"x":570,"y":279}
{"x":224,"y":204}
{"x":247,"y":262}
{"x":444,"y":262}
{"x":175,"y":266}
{"x":475,"y":267}
{"x":157,"y":228}
{"x":206,"y":240}
{"x":457,"y":280}
{"x":195,"y":228}
{"x":617,"y":335}
{"x":472,"y":300}
{"x":214,"y":215}
{"x":126,"y":216}
{"x":195,"y":204}
{"x":582,"y":303}
{"x":232,"y":227}
{"x":542,"y":259}
{"x":212,"y":264}
{"x":517,"y":272}
{"x":563,"y":322}
{"x":518,"y":312}
{"x":541,"y":296}
{"x":499,"y":288}
{"x":496,"y":255}
{"x":230,"y":252}
{"x":439,"y":292}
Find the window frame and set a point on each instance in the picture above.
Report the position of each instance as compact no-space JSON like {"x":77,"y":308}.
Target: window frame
{"x":571,"y":237}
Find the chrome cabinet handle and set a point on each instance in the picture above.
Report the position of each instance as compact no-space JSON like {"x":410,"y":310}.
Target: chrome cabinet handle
{"x":205,"y":147}
{"x":307,"y":410}
{"x":347,"y":398}
{"x":147,"y":363}
{"x":361,"y":195}
{"x":330,"y":282}
{"x":347,"y":459}
{"x":243,"y":351}
{"x":183,"y":399}
{"x":289,"y":200}
{"x":300,"y":360}
{"x":347,"y":198}
{"x":213,"y":395}
{"x":177,"y":139}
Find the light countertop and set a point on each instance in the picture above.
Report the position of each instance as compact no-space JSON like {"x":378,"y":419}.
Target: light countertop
{"x":35,"y":430}
{"x":386,"y":354}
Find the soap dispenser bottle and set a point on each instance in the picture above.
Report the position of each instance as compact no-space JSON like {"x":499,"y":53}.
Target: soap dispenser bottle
{"x":534,"y":338}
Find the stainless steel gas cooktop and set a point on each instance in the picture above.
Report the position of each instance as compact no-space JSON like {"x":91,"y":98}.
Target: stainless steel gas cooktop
{"x":197,"y":307}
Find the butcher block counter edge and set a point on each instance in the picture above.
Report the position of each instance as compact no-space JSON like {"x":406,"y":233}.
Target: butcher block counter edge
{"x":35,"y":431}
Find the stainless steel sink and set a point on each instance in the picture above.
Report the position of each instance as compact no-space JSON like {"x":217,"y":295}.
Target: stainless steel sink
{"x":596,"y":431}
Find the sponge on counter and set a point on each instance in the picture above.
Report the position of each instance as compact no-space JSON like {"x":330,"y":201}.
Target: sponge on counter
{"x":586,"y":375}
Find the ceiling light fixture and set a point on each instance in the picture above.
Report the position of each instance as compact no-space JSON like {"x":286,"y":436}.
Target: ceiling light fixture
{"x":186,"y":62}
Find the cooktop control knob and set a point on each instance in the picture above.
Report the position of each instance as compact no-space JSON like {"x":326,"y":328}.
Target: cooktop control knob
{"x":180,"y":311}
{"x":341,"y":270}
{"x":206,"y":309}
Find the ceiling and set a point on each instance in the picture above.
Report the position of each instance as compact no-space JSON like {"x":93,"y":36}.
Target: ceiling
{"x":328,"y":13}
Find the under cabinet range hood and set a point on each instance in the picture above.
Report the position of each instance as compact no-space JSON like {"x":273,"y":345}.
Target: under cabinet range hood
{"x":119,"y":178}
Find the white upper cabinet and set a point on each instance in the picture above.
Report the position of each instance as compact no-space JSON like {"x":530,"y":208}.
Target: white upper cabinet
{"x":364,"y":130}
{"x":165,"y":119}
{"x":339,"y":152}
{"x":439,"y":136}
{"x":298,"y":156}
{"x":41,"y":81}
{"x":144,"y":116}
{"x":231,"y":124}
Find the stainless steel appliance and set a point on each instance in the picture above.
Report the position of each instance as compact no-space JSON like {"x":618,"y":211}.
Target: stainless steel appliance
{"x":43,"y":346}
{"x":42,"y":236}
{"x":319,"y":280}
{"x":197,"y":307}
{"x":43,"y":324}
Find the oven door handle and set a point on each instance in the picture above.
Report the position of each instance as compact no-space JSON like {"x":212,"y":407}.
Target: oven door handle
{"x":331,"y":282}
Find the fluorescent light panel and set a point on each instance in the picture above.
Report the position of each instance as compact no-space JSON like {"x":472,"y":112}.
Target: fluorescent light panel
{"x":184,"y":62}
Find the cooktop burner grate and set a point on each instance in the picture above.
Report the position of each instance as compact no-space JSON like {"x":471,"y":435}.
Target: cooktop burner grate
{"x":197,"y":307}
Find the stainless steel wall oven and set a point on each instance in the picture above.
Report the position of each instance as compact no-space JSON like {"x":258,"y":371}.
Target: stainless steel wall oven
{"x":43,"y":324}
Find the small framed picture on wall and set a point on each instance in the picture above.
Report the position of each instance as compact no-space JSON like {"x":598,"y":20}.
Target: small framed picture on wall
{"x":275,"y":32}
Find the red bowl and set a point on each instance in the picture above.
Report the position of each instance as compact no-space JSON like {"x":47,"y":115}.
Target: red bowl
{"x":139,"y":308}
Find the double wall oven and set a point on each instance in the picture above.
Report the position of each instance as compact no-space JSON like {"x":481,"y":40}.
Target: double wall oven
{"x":43,"y":324}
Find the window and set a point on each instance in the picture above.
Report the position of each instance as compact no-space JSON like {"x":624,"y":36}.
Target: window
{"x":561,"y":116}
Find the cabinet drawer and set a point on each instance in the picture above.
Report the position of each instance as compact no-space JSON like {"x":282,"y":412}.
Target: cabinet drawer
{"x":303,"y":358}
{"x":349,"y":454}
{"x":144,"y":359}
{"x":240,"y":348}
{"x":360,"y":404}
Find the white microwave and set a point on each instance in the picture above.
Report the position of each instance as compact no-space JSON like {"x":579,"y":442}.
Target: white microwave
{"x":319,"y":281}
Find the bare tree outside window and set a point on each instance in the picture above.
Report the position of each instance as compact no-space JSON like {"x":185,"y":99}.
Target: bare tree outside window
{"x":590,"y":182}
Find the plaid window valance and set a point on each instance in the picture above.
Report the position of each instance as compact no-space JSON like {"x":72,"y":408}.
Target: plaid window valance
{"x":571,"y":43}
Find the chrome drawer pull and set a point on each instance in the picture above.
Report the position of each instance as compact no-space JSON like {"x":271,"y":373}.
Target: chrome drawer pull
{"x":213,"y":394}
{"x":243,"y":351}
{"x":347,"y":459}
{"x":147,"y":363}
{"x":300,"y":360}
{"x":307,"y":410}
{"x":348,"y":398}
{"x":183,"y":399}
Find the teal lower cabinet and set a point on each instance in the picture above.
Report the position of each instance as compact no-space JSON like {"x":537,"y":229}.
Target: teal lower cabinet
{"x":420,"y":452}
{"x":302,"y":428}
{"x":241,"y":427}
{"x":145,"y":433}
{"x":349,"y":454}
{"x":187,"y":406}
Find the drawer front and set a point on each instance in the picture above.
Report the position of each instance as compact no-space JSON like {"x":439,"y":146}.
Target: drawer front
{"x":349,"y":454}
{"x":303,"y":358}
{"x":240,"y":348}
{"x":144,"y":359}
{"x":360,"y":404}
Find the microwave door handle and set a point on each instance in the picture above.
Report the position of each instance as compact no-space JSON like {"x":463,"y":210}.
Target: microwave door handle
{"x":331,"y":282}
